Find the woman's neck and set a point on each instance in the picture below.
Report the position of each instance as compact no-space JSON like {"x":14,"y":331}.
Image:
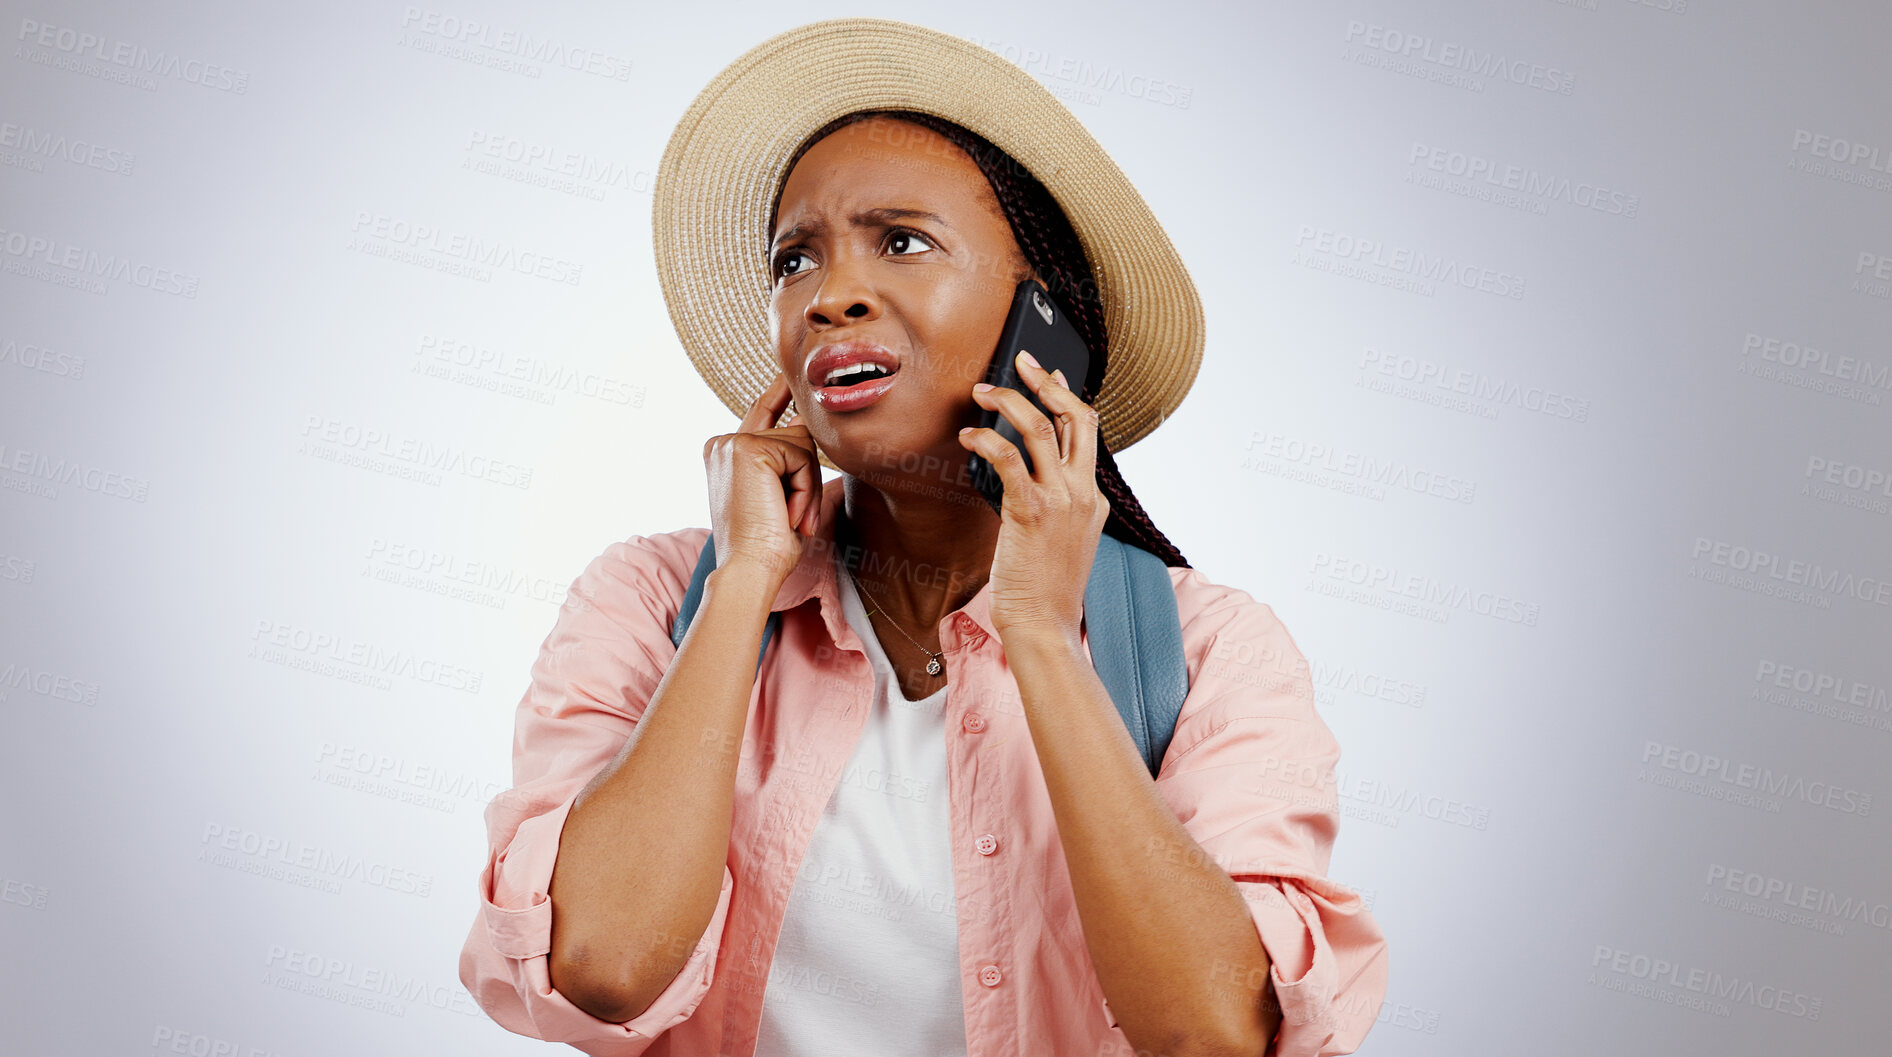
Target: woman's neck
{"x":921,"y":557}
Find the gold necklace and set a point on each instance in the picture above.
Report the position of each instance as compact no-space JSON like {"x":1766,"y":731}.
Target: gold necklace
{"x":933,"y":666}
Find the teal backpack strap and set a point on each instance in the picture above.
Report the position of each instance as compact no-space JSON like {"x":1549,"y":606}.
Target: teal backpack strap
{"x":1136,"y":643}
{"x":1131,"y":620}
{"x":705,"y":564}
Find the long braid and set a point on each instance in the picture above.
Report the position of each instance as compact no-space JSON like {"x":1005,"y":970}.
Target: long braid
{"x":1052,"y":247}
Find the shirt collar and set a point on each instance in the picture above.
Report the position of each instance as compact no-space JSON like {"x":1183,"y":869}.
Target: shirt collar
{"x":816,"y":575}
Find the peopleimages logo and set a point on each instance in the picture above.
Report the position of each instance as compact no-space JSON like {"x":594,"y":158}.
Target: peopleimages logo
{"x":383,"y":767}
{"x":373,"y":987}
{"x":1863,"y":481}
{"x":129,"y":63}
{"x":1402,"y":800}
{"x":1332,"y":679}
{"x":1268,"y":448}
{"x":1704,"y":985}
{"x":1780,"y":897}
{"x":1840,"y":149}
{"x":517,"y":44}
{"x":1478,"y":387}
{"x":1431,"y":591}
{"x":46,"y":683}
{"x":1843,"y":689}
{"x":1753,"y":569}
{"x":1458,"y":58}
{"x":528,"y":376}
{"x":551,"y":167}
{"x":1420,"y":266}
{"x":1839,"y":366}
{"x":1708,"y":767}
{"x":268,"y":849}
{"x":31,"y":357}
{"x":455,"y":252}
{"x":1839,"y":158}
{"x":389,"y":559}
{"x":335,"y":440}
{"x":41,"y":144}
{"x":1527,"y":181}
{"x":90,"y":268}
{"x":300,"y":647}
{"x":49,"y":470}
{"x":1083,"y":74}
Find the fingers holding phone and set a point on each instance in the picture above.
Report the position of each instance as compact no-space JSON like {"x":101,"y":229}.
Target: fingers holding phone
{"x":764,"y":486}
{"x":1039,"y":324}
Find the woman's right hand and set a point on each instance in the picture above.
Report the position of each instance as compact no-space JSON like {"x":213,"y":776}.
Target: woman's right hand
{"x":764,"y":487}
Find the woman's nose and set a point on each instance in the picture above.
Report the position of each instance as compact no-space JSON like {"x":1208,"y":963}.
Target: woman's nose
{"x":844,"y":296}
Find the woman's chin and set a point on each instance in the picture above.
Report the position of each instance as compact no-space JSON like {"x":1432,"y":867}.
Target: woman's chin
{"x":918,"y":474}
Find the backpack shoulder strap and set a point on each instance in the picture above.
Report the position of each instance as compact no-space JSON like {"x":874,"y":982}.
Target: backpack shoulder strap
{"x":1136,"y":642}
{"x":692,"y":598}
{"x":1129,"y":615}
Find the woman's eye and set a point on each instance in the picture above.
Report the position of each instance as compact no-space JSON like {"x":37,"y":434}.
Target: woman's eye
{"x":782,"y":261}
{"x":902,"y":236}
{"x":899,"y":241}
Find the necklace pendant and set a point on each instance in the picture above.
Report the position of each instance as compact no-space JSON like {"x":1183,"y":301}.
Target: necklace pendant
{"x":933,"y":666}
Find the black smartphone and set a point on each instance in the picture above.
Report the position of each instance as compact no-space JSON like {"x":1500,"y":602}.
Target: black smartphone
{"x":1037,"y":325}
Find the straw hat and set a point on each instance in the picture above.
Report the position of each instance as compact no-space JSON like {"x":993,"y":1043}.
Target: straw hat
{"x":729,"y":154}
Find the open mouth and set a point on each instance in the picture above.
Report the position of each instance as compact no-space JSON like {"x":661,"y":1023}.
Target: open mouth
{"x":847,"y":375}
{"x":855,"y":386}
{"x":855,"y":374}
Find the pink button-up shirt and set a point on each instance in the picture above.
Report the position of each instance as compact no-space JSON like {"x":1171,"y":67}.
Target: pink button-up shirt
{"x":1249,"y":773}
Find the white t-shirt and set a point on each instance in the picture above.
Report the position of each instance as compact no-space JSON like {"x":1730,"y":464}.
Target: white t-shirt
{"x":868,"y":960}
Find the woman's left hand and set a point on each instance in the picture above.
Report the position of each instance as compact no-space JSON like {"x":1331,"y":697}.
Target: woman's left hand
{"x":1051,"y":515}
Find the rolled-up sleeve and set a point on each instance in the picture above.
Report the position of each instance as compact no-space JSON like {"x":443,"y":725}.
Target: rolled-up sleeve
{"x":1250,"y":773}
{"x":594,"y":675}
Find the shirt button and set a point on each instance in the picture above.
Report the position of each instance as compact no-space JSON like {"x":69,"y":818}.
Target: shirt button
{"x":987,"y":844}
{"x":989,"y":976}
{"x":975,"y":722}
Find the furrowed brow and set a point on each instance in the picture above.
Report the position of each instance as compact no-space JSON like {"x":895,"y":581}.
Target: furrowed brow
{"x":812,"y":227}
{"x":881,"y":215}
{"x":887,"y":213}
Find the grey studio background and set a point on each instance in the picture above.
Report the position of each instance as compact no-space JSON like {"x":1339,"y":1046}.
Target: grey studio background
{"x":1545,"y":399}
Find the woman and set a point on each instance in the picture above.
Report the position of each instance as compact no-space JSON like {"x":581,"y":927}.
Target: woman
{"x":921,"y":826}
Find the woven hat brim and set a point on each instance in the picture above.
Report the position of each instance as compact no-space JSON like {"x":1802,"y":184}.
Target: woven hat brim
{"x":726,"y":157}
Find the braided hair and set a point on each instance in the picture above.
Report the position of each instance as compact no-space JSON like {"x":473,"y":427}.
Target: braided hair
{"x":1052,"y":248}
